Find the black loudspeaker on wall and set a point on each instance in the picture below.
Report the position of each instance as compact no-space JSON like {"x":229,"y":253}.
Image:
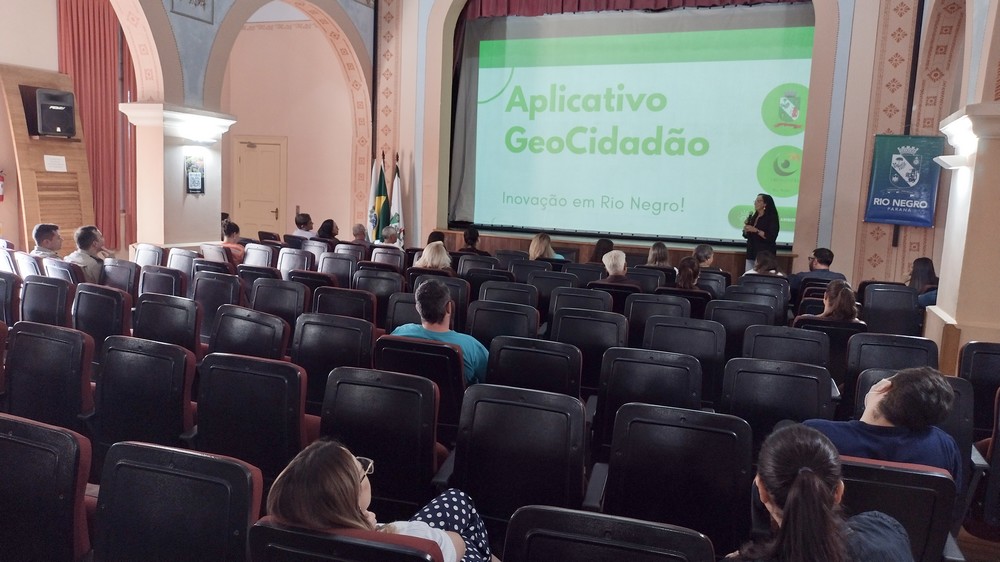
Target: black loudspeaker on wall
{"x":49,"y":112}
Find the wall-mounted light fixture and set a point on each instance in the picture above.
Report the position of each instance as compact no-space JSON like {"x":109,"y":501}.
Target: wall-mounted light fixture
{"x":195,"y":126}
{"x":952,"y":161}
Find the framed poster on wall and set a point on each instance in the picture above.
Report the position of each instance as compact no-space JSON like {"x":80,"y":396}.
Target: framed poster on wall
{"x":194,"y":173}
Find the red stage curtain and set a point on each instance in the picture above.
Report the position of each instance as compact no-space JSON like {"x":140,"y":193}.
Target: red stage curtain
{"x":90,"y":47}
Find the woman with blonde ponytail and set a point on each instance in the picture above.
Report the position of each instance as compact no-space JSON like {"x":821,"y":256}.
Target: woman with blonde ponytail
{"x":798,"y":479}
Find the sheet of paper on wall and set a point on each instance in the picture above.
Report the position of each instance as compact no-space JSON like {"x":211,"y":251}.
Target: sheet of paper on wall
{"x":55,"y":163}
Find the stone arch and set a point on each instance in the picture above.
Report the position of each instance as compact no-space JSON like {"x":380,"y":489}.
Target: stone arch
{"x":939,"y":69}
{"x":160,"y":79}
{"x":345,"y":43}
{"x":154,"y":50}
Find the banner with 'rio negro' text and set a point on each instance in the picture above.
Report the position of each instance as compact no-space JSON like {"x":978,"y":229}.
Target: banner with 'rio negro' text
{"x":904,"y":180}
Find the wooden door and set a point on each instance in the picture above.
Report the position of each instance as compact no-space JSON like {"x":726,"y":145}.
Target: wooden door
{"x":259,"y":190}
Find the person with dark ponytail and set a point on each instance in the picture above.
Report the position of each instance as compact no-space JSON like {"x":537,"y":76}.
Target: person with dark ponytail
{"x":231,"y":240}
{"x":799,"y":482}
{"x":471,"y":237}
{"x":687,"y":273}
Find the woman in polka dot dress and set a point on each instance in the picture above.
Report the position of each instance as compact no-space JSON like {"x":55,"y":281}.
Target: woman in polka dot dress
{"x":326,"y":487}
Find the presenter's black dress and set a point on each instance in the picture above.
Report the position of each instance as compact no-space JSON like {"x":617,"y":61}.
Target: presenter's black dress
{"x":769,"y":224}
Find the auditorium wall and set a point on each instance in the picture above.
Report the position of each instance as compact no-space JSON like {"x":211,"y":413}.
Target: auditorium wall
{"x":28,"y":39}
{"x":283,"y":80}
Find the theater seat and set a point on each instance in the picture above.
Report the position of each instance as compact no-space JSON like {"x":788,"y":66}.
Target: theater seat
{"x":324,"y":342}
{"x":642,"y":375}
{"x":169,"y":319}
{"x":678,"y":466}
{"x":144,"y":394}
{"x":48,"y":374}
{"x":164,"y":280}
{"x":212,"y":290}
{"x":390,"y":418}
{"x":883,"y":351}
{"x":47,"y":300}
{"x":55,"y":267}
{"x":355,"y":303}
{"x":341,"y":266}
{"x":489,"y":319}
{"x":765,"y":392}
{"x":284,"y":299}
{"x":10,"y":298}
{"x":273,"y":542}
{"x":253,"y":409}
{"x":517,"y":447}
{"x":526,"y":362}
{"x":121,"y":274}
{"x":259,"y":255}
{"x":539,"y":533}
{"x":704,"y":340}
{"x":148,"y":254}
{"x":44,"y":470}
{"x":472,"y":261}
{"x":248,"y":332}
{"x":640,"y":307}
{"x":921,"y":498}
{"x":160,"y":503}
{"x":438,"y":361}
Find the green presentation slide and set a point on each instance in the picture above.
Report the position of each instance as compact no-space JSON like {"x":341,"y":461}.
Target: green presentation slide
{"x":663,"y":134}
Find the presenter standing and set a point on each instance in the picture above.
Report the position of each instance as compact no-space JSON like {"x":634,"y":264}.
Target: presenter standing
{"x":761,"y":228}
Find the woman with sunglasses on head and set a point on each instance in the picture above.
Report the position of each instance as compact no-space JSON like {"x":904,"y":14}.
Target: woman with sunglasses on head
{"x":326,"y":487}
{"x":799,"y":481}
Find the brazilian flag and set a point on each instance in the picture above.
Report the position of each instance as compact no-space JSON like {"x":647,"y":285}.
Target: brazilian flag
{"x":378,"y":212}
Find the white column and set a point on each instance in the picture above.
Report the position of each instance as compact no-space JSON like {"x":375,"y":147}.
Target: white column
{"x":967,"y":307}
{"x":165,"y":136}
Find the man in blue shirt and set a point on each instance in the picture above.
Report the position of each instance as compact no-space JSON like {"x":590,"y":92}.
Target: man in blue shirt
{"x":436,"y":307}
{"x":899,"y":421}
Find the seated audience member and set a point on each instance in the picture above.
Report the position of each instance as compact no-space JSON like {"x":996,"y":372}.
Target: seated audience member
{"x":90,"y":252}
{"x":231,"y":240}
{"x":687,"y":274}
{"x":838,"y":303}
{"x":765,"y":264}
{"x":705,"y":255}
{"x":658,"y":255}
{"x":471,"y":237}
{"x":436,"y":308}
{"x":924,"y":281}
{"x":390,"y":236}
{"x":303,"y":225}
{"x":435,"y":256}
{"x":541,"y":247}
{"x":899,"y":421}
{"x":799,"y":482}
{"x":328,"y":230}
{"x":436,"y":236}
{"x":819,"y":268}
{"x":601,"y":247}
{"x":360,"y":234}
{"x":614,"y":264}
{"x":48,"y":241}
{"x":325,"y":487}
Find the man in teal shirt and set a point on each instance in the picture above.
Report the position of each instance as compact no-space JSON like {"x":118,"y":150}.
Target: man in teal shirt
{"x":436,"y":307}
